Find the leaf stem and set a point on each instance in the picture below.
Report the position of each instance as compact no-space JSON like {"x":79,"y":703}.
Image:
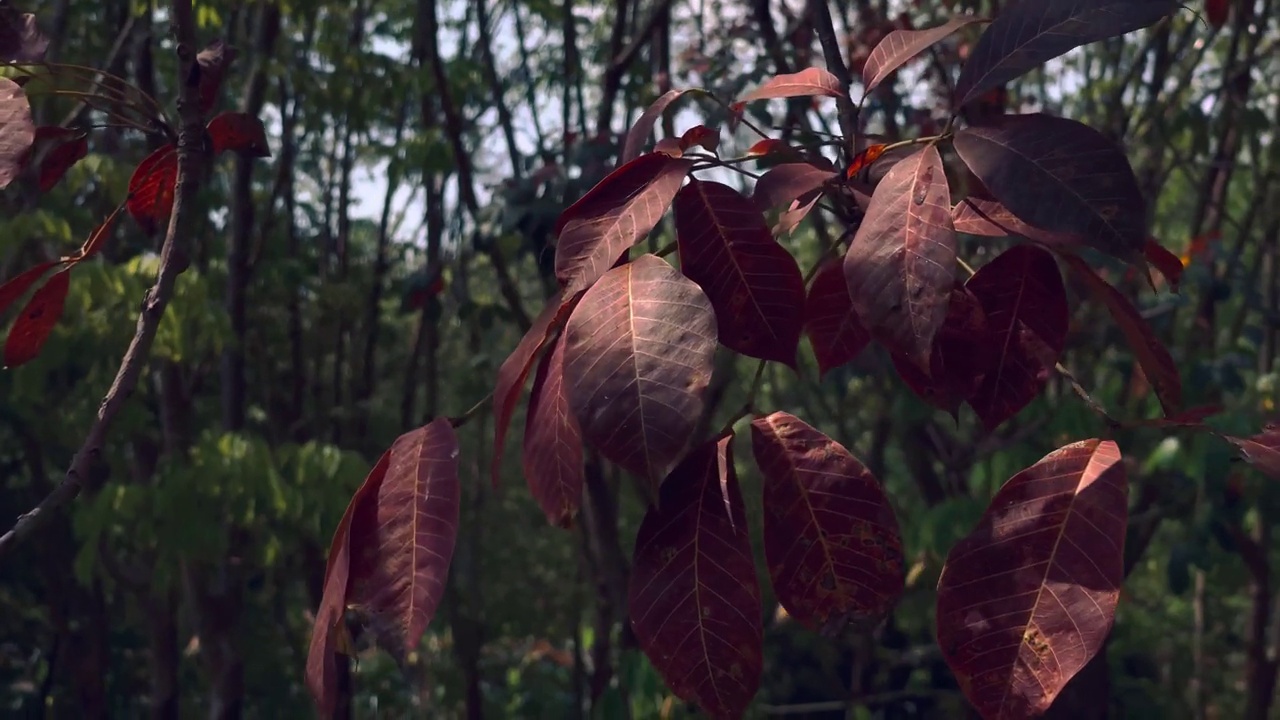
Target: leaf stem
{"x":749,"y":407}
{"x":465,"y":417}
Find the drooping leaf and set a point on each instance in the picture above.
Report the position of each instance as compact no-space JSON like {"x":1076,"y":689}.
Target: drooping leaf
{"x":35,"y":323}
{"x":21,"y":283}
{"x":1022,"y":294}
{"x":963,"y":353}
{"x":213,"y":62}
{"x":899,"y":46}
{"x":151,"y":189}
{"x":784,"y":183}
{"x":701,"y":135}
{"x":1262,"y":450}
{"x":834,"y":330}
{"x":637,"y":361}
{"x":552,"y":452}
{"x":811,"y":81}
{"x":67,"y":152}
{"x":901,"y":264}
{"x":402,"y":537}
{"x":239,"y":132}
{"x":99,"y":235}
{"x":643,"y":127}
{"x":1169,"y":265}
{"x":515,"y":370}
{"x":614,"y":215}
{"x":694,"y":597}
{"x":17,"y":131}
{"x":1028,"y":597}
{"x":830,"y":536}
{"x":1027,"y":33}
{"x":1217,"y":11}
{"x":753,"y":283}
{"x":1157,"y":364}
{"x":20,"y":38}
{"x":1061,"y":176}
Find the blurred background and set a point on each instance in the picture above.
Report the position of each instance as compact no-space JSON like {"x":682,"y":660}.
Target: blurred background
{"x":378,"y":268}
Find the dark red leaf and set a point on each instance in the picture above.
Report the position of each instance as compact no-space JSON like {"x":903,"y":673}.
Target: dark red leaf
{"x":213,"y":62}
{"x":1061,"y":176}
{"x":552,"y":457}
{"x":901,"y":264}
{"x":59,"y":160}
{"x":515,"y":370}
{"x":1262,"y":450}
{"x":753,"y":283}
{"x":239,"y":132}
{"x":707,"y":138}
{"x":1216,"y":12}
{"x":830,"y":322}
{"x":20,"y":284}
{"x":17,"y":131}
{"x":637,"y":361}
{"x":613,"y":216}
{"x":20,"y":38}
{"x":151,"y":188}
{"x":830,"y":536}
{"x":980,"y":216}
{"x":812,"y":81}
{"x":33,"y":326}
{"x":1022,"y":293}
{"x":1030,"y":595}
{"x":402,"y":537}
{"x":782,"y":184}
{"x":899,"y":46}
{"x":1027,"y":34}
{"x":643,"y":128}
{"x":963,"y":353}
{"x":694,"y":598}
{"x":1169,"y":265}
{"x":93,"y":244}
{"x":1157,"y":364}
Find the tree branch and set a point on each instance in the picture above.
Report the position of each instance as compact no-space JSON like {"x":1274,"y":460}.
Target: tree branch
{"x":192,"y":158}
{"x":826,"y":30}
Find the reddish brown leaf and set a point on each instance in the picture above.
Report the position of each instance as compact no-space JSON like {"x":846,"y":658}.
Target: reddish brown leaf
{"x":963,"y":353}
{"x":33,"y":326}
{"x":151,"y":188}
{"x":552,"y":457}
{"x":790,"y":219}
{"x":92,"y":245}
{"x":812,"y":81}
{"x":1026,"y":34}
{"x":614,"y":215}
{"x":753,"y":283}
{"x":59,"y":160}
{"x":1157,"y":364}
{"x":17,"y":131}
{"x":239,"y":132}
{"x":1169,"y":265}
{"x":1262,"y":450}
{"x":1216,"y":12}
{"x":643,"y":128}
{"x":402,"y":537}
{"x":515,"y":370}
{"x":834,"y":330}
{"x":830,"y":535}
{"x":899,"y":46}
{"x":637,"y":360}
{"x":669,"y":146}
{"x":20,"y":38}
{"x":20,"y":284}
{"x":981,"y":216}
{"x":863,"y":159}
{"x":901,"y":264}
{"x":1061,"y":176}
{"x":213,"y":62}
{"x":694,"y":597}
{"x":784,"y":183}
{"x":1030,"y":595}
{"x":701,"y":135}
{"x":770,"y":146}
{"x":1022,"y":293}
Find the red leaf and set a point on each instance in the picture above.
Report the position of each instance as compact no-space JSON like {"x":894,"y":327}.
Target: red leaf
{"x":1151,"y":354}
{"x":901,"y":264}
{"x":59,"y":160}
{"x":830,"y":322}
{"x":637,"y":361}
{"x":770,"y":146}
{"x":402,"y":537}
{"x":515,"y":370}
{"x":782,"y":184}
{"x":20,"y":38}
{"x":151,"y":188}
{"x":830,"y":535}
{"x":613,"y":216}
{"x":93,"y":244}
{"x":33,"y":326}
{"x":17,"y":131}
{"x":1216,"y":12}
{"x":863,"y":159}
{"x":239,"y":132}
{"x":20,"y":284}
{"x":1030,"y":595}
{"x":753,"y":283}
{"x":1022,"y":293}
{"x":1262,"y":450}
{"x":213,"y":62}
{"x":552,"y":457}
{"x":643,"y":128}
{"x":694,"y":598}
{"x":1169,"y":265}
{"x":812,"y":81}
{"x":899,"y":46}
{"x":707,"y":138}
{"x":963,"y":353}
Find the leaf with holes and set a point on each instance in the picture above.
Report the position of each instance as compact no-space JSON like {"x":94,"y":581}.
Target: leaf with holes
{"x":1028,"y":597}
{"x":900,"y":46}
{"x":552,"y":452}
{"x":20,"y":38}
{"x":213,"y":62}
{"x":1022,"y":294}
{"x":613,"y":216}
{"x":812,"y":81}
{"x":637,"y":361}
{"x":834,"y":330}
{"x":1061,"y":176}
{"x":402,"y":537}
{"x":830,"y":536}
{"x":1157,"y":364}
{"x":1026,"y":34}
{"x":753,"y":283}
{"x":1169,"y":265}
{"x":21,"y":283}
{"x":17,"y":131}
{"x":33,"y":326}
{"x":784,"y":183}
{"x":70,"y":148}
{"x":1262,"y":450}
{"x":963,"y":353}
{"x":151,"y":188}
{"x":694,"y":598}
{"x":901,"y":264}
{"x":643,"y":127}
{"x":239,"y":132}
